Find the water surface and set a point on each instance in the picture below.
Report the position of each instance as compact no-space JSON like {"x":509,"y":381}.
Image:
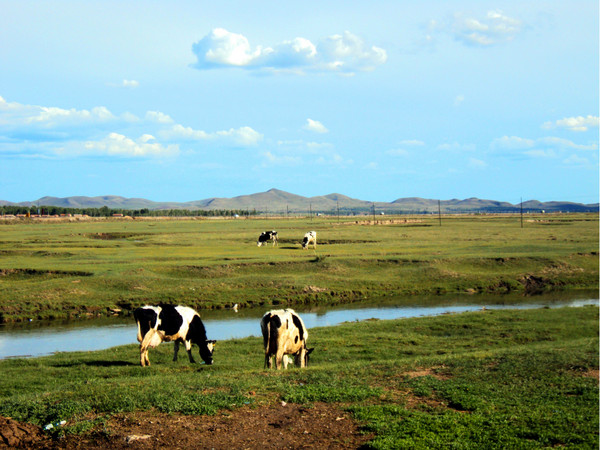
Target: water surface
{"x":44,"y":338}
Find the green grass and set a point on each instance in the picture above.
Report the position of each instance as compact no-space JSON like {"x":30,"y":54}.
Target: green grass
{"x":56,"y":270}
{"x":488,"y":379}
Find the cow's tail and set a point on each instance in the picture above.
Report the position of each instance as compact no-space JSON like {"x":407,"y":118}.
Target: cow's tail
{"x":139,"y":332}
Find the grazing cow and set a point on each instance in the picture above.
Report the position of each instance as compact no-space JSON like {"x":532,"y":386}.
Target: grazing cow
{"x":284,"y":333}
{"x":310,"y":237}
{"x":265,"y":236}
{"x":171,"y":323}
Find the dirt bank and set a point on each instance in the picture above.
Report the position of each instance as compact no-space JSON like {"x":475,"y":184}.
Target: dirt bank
{"x":280,"y":426}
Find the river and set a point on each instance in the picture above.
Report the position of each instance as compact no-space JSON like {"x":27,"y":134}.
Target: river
{"x":44,"y":338}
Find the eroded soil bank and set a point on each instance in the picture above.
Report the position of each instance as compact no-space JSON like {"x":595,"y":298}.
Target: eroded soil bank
{"x":279,"y":426}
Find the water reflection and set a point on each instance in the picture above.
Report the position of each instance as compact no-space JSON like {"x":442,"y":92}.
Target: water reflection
{"x":39,"y":338}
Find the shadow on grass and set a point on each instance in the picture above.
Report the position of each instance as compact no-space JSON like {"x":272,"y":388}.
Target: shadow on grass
{"x":96,"y":364}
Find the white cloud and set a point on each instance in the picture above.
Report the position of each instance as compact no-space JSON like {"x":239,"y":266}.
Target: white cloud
{"x":456,"y":147}
{"x":344,"y":53}
{"x":245,"y":136}
{"x":285,"y":160}
{"x":575,"y":160}
{"x":119,"y":145}
{"x":518,"y":143}
{"x":494,"y":28}
{"x":547,"y":147}
{"x":565,"y":144}
{"x":412,"y":142}
{"x":475,"y":163}
{"x":157,"y":116}
{"x":333,"y":159}
{"x":74,"y":132}
{"x":513,"y":143}
{"x":316,"y":126}
{"x":16,"y":116}
{"x":128,"y":84}
{"x":538,"y":153}
{"x":578,"y":123}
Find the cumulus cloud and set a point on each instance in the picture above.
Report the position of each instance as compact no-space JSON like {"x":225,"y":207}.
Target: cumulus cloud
{"x":518,"y":143}
{"x":578,"y":123}
{"x":244,"y":136}
{"x":492,"y":29}
{"x":316,"y":126}
{"x":475,"y":163}
{"x":513,"y":142}
{"x":344,"y":53}
{"x":120,"y":145}
{"x":159,"y":117}
{"x":78,"y":132}
{"x":15,"y":115}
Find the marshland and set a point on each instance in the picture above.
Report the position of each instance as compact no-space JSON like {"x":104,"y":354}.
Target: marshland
{"x":485,"y":378}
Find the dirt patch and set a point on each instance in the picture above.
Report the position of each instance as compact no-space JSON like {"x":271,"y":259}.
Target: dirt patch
{"x":431,"y":371}
{"x":16,"y":434}
{"x":281,"y":426}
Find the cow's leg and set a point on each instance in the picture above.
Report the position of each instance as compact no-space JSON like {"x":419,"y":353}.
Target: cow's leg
{"x":301,"y":358}
{"x":188,"y":347}
{"x":268,"y":361}
{"x":142,"y":357}
{"x":145,"y":345}
{"x":175,"y":350}
{"x":279,"y":358}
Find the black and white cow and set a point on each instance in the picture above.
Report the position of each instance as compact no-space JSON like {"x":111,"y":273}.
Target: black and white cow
{"x":284,"y":333}
{"x":310,"y":238}
{"x":265,"y":236}
{"x":171,"y":323}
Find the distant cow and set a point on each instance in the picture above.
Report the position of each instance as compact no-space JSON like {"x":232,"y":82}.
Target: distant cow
{"x":310,"y":238}
{"x":284,"y":333}
{"x":265,"y":236}
{"x":171,"y":323}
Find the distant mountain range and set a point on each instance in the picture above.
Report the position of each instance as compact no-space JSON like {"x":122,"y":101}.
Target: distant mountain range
{"x":277,"y":201}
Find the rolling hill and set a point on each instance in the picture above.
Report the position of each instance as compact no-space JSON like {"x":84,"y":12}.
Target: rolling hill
{"x":277,"y":201}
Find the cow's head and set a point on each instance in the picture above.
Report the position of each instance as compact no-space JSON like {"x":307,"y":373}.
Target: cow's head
{"x":206,"y":351}
{"x":305,"y":242}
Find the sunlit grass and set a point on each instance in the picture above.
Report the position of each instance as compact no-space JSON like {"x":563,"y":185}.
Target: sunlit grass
{"x":487,"y":379}
{"x":70,"y":269}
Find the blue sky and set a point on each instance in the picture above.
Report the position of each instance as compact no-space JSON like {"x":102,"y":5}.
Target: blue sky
{"x":186,"y":100}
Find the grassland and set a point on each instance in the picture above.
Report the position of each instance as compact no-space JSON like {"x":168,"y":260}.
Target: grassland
{"x":487,"y":379}
{"x":74,"y":269}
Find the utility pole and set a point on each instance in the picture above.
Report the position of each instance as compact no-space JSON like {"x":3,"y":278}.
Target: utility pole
{"x":373,"y":206}
{"x":338,"y":210}
{"x":310,"y":211}
{"x":521,"y":212}
{"x":440,"y":212}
